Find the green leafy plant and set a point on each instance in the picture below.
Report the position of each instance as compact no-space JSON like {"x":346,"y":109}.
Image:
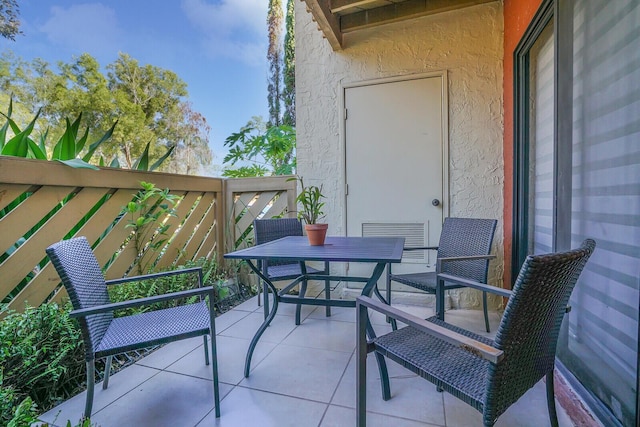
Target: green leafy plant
{"x":310,"y":199}
{"x":41,"y":359}
{"x":67,"y":149}
{"x":142,"y":163}
{"x":270,"y":151}
{"x":148,"y":210}
{"x":212,"y":275}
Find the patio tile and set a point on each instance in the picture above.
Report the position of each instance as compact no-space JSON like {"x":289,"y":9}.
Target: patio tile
{"x":167,"y":399}
{"x":249,"y":305}
{"x":246,"y":328}
{"x":299,"y":371}
{"x":171,"y":352}
{"x":340,"y":314}
{"x":412,"y":397}
{"x":119,"y":384}
{"x":324,"y":334}
{"x":529,"y":411}
{"x":286,"y":309}
{"x":225,"y":320}
{"x":338,"y":416}
{"x":247,"y":407}
{"x":231,"y":355}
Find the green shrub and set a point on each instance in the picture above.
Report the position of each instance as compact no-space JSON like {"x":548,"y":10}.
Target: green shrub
{"x":41,"y":359}
{"x":211,"y":276}
{"x":42,"y":353}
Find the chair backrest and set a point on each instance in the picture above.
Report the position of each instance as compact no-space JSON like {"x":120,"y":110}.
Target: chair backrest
{"x":80,"y":272}
{"x":266,"y":230}
{"x":528,"y":332}
{"x":463,"y":237}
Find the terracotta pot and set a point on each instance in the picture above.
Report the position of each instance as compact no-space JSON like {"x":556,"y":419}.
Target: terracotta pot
{"x":316,"y":233}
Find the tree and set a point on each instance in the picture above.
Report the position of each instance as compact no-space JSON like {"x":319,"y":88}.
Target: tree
{"x":289,"y":75}
{"x":270,"y":148}
{"x":148,"y":102}
{"x":147,"y":98}
{"x":9,"y":22}
{"x":192,"y":152}
{"x":274,"y":56}
{"x":266,"y":150}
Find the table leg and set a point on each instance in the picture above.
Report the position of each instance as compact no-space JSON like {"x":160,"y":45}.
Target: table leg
{"x":382,"y":364}
{"x":327,"y":289}
{"x":302,"y":291}
{"x":267,"y":321}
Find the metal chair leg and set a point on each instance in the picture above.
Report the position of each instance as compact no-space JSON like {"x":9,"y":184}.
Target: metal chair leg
{"x":394,"y":323}
{"x":361,"y":366}
{"x":265,"y":300}
{"x":551,"y":401}
{"x":91,"y":378}
{"x":259,"y":291}
{"x":107,"y":372}
{"x":206,"y":351}
{"x":486,"y":314}
{"x":303,"y":291}
{"x":214,"y":369}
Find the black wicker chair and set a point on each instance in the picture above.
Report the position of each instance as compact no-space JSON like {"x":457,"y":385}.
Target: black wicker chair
{"x":463,"y":250}
{"x":266,"y":230}
{"x":489,"y":375}
{"x":105,"y":336}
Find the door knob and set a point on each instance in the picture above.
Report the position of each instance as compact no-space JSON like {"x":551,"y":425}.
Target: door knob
{"x":435,"y":202}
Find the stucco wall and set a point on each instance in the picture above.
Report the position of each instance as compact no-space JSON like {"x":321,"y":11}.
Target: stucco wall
{"x":468,"y":44}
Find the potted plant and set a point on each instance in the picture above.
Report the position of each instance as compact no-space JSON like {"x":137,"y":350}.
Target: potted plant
{"x":311,"y":211}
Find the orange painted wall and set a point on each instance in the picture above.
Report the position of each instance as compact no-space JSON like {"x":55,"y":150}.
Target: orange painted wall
{"x":517,"y":16}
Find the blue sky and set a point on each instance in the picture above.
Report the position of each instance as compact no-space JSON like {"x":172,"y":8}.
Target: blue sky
{"x":218,"y":47}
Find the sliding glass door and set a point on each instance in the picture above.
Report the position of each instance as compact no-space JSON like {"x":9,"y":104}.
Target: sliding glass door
{"x":578,"y":175}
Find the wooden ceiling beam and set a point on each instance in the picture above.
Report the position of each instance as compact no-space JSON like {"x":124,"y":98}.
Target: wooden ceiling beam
{"x":396,"y":12}
{"x":347,"y":6}
{"x":328,"y":23}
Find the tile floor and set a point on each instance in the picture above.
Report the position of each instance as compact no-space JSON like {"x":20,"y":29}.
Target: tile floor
{"x":301,"y":376}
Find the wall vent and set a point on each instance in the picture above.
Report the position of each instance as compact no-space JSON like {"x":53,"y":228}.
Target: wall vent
{"x":413,"y":233}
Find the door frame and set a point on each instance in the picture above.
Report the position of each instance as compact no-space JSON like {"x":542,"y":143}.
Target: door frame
{"x":444,"y":129}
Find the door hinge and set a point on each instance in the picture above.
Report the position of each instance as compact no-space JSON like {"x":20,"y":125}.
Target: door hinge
{"x":346,"y":189}
{"x":346,"y":114}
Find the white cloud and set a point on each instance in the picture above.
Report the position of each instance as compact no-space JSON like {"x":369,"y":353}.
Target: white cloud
{"x":231,"y":28}
{"x":83,"y":27}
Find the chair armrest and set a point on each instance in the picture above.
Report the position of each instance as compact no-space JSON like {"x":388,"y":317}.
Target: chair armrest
{"x":465,"y":258}
{"x":473,"y":284}
{"x":474,"y":347}
{"x":421,"y":248}
{"x":105,"y":308}
{"x":153,"y":276}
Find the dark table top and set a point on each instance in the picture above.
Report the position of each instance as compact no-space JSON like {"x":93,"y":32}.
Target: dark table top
{"x":346,"y":249}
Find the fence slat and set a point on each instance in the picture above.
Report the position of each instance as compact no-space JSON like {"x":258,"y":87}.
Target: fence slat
{"x":173,"y":222}
{"x":261,"y":202}
{"x":47,"y":279}
{"x":203,"y":231}
{"x":26,"y":257}
{"x":8,"y":193}
{"x":174,"y":252}
{"x":20,"y":220}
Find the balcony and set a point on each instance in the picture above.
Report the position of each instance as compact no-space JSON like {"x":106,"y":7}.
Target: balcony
{"x":301,"y":376}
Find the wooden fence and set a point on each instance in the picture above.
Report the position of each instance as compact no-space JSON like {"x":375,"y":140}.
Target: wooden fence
{"x":43,"y":202}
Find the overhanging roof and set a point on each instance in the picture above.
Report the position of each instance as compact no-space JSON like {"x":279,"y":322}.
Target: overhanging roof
{"x":338,"y":17}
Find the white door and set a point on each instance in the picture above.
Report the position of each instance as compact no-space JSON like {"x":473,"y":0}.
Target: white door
{"x":395,"y":149}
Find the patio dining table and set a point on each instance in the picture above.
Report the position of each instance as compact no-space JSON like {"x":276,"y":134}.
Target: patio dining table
{"x":376,"y":250}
